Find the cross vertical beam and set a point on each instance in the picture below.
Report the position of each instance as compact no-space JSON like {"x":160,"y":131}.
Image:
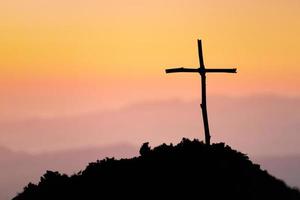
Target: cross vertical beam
{"x":203,"y":105}
{"x":202,"y":71}
{"x":201,"y":62}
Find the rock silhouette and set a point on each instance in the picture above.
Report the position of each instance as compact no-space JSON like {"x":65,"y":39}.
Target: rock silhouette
{"x":188,"y":170}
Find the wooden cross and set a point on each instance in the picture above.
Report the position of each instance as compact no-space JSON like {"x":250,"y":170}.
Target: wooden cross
{"x":202,"y":71}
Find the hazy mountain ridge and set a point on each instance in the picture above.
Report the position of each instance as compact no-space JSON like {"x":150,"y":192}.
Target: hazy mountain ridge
{"x":186,"y":170}
{"x":249,"y":123}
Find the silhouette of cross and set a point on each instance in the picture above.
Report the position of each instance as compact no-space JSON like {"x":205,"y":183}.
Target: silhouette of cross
{"x":202,"y":71}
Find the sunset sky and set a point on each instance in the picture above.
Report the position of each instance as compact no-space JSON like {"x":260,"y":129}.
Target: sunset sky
{"x":78,"y":76}
{"x":66,"y":57}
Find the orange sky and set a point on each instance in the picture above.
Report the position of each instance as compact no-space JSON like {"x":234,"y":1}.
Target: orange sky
{"x":63,"y":57}
{"x":77,"y":74}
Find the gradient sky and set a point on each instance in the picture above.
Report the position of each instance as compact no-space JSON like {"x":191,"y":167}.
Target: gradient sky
{"x":64,"y":57}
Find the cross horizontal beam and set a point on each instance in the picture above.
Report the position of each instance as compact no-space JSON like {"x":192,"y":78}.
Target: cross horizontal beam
{"x":232,"y":70}
{"x":200,"y":70}
{"x":181,"y":69}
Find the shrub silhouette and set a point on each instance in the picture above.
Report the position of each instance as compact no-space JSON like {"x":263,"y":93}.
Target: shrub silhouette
{"x":145,"y":149}
{"x":187,"y":170}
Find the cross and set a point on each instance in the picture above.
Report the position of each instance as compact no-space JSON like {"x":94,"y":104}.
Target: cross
{"x":202,"y":71}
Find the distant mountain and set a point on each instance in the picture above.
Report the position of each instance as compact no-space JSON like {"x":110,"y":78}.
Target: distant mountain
{"x":188,"y":170}
{"x":258,"y":125}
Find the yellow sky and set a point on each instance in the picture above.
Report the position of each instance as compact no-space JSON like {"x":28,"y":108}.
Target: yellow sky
{"x":89,"y":54}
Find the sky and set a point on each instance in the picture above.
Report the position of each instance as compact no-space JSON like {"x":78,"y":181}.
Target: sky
{"x":64,"y":58}
{"x":80,"y":74}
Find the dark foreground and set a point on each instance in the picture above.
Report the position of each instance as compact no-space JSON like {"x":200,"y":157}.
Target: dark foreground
{"x":189,"y":170}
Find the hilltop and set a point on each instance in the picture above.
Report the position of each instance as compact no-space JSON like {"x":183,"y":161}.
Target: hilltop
{"x":187,"y":170}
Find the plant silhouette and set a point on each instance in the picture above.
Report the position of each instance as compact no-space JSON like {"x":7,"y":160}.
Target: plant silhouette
{"x":188,"y":170}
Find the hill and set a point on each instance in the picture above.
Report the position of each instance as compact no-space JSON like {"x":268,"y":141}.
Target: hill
{"x":19,"y":168}
{"x":188,"y":170}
